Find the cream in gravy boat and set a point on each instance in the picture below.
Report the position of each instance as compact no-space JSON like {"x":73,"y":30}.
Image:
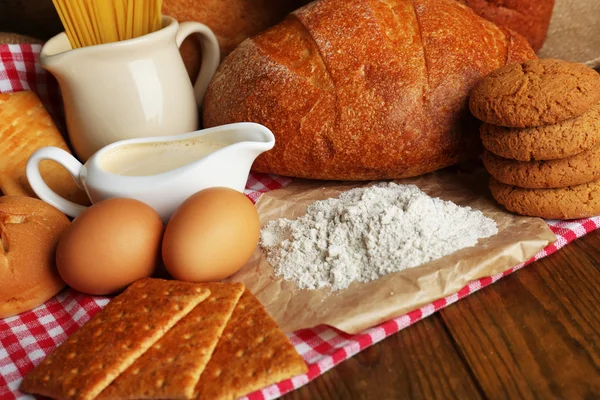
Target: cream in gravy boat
{"x":160,"y":171}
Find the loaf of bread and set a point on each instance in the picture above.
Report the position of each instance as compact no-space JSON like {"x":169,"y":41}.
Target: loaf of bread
{"x":235,"y":20}
{"x":29,"y":233}
{"x":232,"y":21}
{"x":355,"y":90}
{"x":530,"y":18}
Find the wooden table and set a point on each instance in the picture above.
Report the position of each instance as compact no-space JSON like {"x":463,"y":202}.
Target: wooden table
{"x":534,"y":334}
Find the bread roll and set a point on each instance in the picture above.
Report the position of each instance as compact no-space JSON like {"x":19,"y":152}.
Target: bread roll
{"x":360,"y":90}
{"x":530,"y":18}
{"x":29,"y":233}
{"x":26,"y":126}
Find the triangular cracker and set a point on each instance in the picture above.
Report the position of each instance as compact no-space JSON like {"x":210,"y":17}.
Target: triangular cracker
{"x":171,"y":368}
{"x":104,"y":347}
{"x":252,"y":353}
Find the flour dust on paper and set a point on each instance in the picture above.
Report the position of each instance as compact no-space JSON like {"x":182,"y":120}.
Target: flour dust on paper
{"x":369,"y":232}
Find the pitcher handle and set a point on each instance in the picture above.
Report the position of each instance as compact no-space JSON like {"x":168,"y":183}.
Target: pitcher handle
{"x":210,"y":54}
{"x":42,"y":190}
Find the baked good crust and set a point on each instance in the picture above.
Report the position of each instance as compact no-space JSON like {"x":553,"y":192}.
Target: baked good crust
{"x":26,"y":126}
{"x":535,"y":93}
{"x":232,"y":21}
{"x":530,"y":18}
{"x":15,"y":38}
{"x":30,"y":230}
{"x":360,"y":90}
{"x":576,"y":170}
{"x":548,"y":142}
{"x":581,"y":201}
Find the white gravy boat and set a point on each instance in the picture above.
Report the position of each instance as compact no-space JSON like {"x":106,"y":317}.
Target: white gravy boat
{"x":159,"y":171}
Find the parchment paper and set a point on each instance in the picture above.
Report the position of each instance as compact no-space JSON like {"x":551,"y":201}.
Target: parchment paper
{"x":574,"y":32}
{"x":363,"y":305}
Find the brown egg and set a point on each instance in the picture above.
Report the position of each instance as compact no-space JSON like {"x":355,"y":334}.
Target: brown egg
{"x":110,"y":245}
{"x":210,"y":236}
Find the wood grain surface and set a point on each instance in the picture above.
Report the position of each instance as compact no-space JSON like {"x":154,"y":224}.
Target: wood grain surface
{"x":416,"y":363}
{"x":533,"y":335}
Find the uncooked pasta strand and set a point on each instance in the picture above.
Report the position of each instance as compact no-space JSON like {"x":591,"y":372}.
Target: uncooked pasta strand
{"x":92,"y":22}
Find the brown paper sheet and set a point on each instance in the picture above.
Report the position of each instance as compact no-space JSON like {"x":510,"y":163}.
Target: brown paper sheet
{"x":574,"y":33}
{"x":363,"y":305}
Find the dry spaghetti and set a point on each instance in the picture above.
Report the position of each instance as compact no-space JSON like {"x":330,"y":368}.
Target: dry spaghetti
{"x":92,"y":22}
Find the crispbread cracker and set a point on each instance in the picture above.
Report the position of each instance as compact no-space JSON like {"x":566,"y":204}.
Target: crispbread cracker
{"x":252,"y":353}
{"x":104,"y":347}
{"x":171,"y":368}
{"x":26,"y":127}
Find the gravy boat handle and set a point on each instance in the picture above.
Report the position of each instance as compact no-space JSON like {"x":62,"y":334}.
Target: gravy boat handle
{"x":39,"y":186}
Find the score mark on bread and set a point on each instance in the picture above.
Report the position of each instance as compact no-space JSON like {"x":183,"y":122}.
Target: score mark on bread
{"x":3,"y":248}
{"x":3,"y":245}
{"x":5,"y":219}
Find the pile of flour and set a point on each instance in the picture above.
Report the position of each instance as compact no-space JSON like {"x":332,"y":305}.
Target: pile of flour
{"x":367,"y":233}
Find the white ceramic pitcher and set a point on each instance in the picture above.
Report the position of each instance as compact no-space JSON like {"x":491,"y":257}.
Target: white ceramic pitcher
{"x":165,"y":191}
{"x":131,"y":88}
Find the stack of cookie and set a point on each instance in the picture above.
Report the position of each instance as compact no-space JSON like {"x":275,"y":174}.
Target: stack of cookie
{"x":541,"y":133}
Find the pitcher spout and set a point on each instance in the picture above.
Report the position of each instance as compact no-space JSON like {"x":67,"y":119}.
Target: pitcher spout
{"x":55,"y":54}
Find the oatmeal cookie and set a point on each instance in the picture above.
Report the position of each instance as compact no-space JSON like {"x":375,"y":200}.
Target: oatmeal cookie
{"x":572,"y":202}
{"x":535,"y":93}
{"x":547,"y":142}
{"x":576,"y":170}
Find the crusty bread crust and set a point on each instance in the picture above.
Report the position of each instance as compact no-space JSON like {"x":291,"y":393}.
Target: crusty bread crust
{"x":529,"y":18}
{"x":359,"y":90}
{"x":26,"y":126}
{"x":29,"y":230}
{"x":232,"y":21}
{"x":15,"y":38}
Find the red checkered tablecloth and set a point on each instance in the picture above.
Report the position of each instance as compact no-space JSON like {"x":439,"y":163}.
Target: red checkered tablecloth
{"x":27,"y":338}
